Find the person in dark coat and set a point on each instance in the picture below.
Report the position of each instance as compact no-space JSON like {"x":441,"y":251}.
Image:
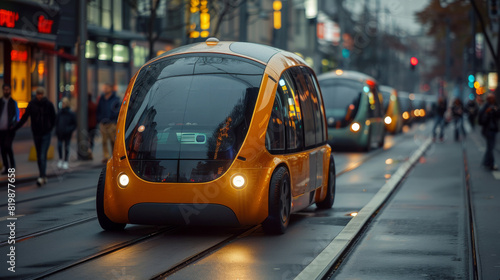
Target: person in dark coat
{"x":439,"y":118}
{"x":65,"y":125}
{"x":43,"y":117}
{"x":9,"y":115}
{"x":457,"y":110}
{"x":108,"y":109}
{"x":472,"y":110}
{"x":488,"y":118}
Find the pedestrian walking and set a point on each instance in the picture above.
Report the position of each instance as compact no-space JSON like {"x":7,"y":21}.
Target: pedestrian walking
{"x":108,"y":108}
{"x":65,"y":125}
{"x":457,"y":110}
{"x":43,"y":116}
{"x":91,"y":124}
{"x":9,"y":116}
{"x":488,"y":118}
{"x":472,"y":110}
{"x":439,"y":119}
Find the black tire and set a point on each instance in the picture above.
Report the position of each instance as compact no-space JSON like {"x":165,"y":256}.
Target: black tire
{"x":327,"y":203}
{"x":104,"y":221}
{"x":280,"y":202}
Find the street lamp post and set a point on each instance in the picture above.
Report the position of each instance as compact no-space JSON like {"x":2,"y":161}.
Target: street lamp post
{"x":82,"y":133}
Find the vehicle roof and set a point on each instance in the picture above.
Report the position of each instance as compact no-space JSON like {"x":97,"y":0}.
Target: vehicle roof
{"x":347,"y":74}
{"x":386,"y":88}
{"x":258,"y":52}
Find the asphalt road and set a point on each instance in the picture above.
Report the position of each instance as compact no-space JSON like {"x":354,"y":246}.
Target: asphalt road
{"x":420,"y":232}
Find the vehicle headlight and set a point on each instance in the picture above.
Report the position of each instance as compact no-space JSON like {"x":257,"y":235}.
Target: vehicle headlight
{"x":355,"y":127}
{"x":238,"y":181}
{"x":123,"y":180}
{"x":388,"y":120}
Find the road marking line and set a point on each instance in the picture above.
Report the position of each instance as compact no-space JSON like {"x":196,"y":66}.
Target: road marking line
{"x":81,"y":201}
{"x":496,"y":174}
{"x":10,"y":217}
{"x":320,"y":266}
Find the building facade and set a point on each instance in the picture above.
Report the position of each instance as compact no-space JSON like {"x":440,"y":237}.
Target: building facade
{"x":28,"y":34}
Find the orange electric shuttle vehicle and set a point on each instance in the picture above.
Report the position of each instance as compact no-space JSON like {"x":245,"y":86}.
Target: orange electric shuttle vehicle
{"x":218,"y":133}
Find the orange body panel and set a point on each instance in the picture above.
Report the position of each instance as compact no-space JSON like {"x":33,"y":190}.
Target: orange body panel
{"x":254,"y":162}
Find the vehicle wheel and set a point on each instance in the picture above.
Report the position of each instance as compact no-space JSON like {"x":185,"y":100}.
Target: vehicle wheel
{"x":104,"y":221}
{"x":280,"y":202}
{"x":327,"y":203}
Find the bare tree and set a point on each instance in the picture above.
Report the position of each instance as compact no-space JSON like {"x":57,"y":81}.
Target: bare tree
{"x":220,"y":9}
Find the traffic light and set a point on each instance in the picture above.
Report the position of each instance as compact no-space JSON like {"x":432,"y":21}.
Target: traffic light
{"x":413,"y":62}
{"x":472,"y":79}
{"x":277,"y":14}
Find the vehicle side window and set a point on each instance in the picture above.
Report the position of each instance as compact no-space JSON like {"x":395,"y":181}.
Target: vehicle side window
{"x":275,"y":136}
{"x":306,"y":106}
{"x":317,"y":103}
{"x":372,"y":109}
{"x":293,"y":115}
{"x":378,"y":102}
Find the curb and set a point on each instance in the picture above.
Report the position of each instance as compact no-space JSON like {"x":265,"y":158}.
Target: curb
{"x":322,"y":264}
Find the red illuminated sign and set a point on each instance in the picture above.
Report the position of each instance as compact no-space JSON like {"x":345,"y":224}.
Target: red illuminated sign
{"x":19,"y":56}
{"x":8,"y":18}
{"x":44,"y":25}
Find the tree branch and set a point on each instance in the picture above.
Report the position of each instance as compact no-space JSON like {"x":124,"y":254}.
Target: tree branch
{"x":483,"y":28}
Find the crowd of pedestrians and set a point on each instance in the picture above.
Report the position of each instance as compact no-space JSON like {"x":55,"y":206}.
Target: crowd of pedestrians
{"x":487,"y":116}
{"x":44,"y":120}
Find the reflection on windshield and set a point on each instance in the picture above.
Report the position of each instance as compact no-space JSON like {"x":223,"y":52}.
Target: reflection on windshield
{"x":386,"y":97}
{"x":341,"y":98}
{"x":192,"y":125}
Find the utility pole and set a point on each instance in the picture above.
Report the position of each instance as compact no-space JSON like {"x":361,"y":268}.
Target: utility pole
{"x":82,"y":113}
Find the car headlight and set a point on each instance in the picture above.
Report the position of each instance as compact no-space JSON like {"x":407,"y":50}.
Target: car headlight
{"x":238,"y":181}
{"x":123,"y":180}
{"x":355,"y":127}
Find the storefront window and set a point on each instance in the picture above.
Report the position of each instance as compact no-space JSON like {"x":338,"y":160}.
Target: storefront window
{"x":67,"y":83}
{"x":140,"y":55}
{"x":20,"y":75}
{"x":104,"y":50}
{"x":106,"y":14}
{"x":38,"y":69}
{"x":120,"y":53}
{"x":93,"y":12}
{"x":90,"y":51}
{"x":117,"y":15}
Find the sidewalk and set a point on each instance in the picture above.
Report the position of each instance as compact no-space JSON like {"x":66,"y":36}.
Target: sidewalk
{"x":27,"y":170}
{"x":485,"y":196}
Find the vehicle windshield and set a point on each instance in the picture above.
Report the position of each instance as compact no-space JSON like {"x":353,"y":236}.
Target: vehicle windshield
{"x":341,"y":100}
{"x":188,"y":116}
{"x":387,"y":96}
{"x":406,"y":104}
